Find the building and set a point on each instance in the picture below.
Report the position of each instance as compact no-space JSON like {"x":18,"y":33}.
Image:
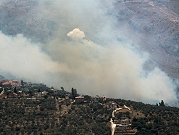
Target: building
{"x":79,"y":99}
{"x":15,"y":83}
{"x":103,"y":98}
{"x":6,"y":84}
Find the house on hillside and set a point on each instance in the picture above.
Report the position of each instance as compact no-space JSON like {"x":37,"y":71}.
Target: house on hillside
{"x":111,"y":105}
{"x":6,"y":84}
{"x":79,"y":99}
{"x":103,"y":98}
{"x":15,"y":83}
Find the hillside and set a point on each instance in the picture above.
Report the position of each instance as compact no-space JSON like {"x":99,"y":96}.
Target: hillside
{"x":154,"y":26}
{"x":21,"y":17}
{"x":31,"y":109}
{"x":84,"y":45}
{"x":52,"y":116}
{"x":1,"y":77}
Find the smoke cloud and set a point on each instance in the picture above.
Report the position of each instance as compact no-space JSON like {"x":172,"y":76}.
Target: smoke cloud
{"x":76,"y":34}
{"x":26,"y":60}
{"x":85,"y":53}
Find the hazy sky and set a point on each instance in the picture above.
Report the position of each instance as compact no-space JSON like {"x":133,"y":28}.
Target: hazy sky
{"x":84,"y":53}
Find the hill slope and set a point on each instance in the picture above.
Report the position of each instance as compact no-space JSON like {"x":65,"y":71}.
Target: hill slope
{"x":53,"y":117}
{"x":155,"y":27}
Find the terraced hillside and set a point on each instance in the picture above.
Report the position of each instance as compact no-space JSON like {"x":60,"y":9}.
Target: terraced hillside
{"x":53,"y":117}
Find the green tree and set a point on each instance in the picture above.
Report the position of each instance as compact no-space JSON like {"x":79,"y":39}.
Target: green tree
{"x":45,"y":96}
{"x":162,"y":103}
{"x":15,"y":90}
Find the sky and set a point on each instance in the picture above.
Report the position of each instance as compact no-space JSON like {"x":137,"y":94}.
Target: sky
{"x":84,"y":52}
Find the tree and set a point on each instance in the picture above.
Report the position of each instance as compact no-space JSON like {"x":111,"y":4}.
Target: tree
{"x":31,"y":93}
{"x":162,"y":103}
{"x":39,"y":90}
{"x":45,"y":96}
{"x":22,"y":83}
{"x":15,"y":90}
{"x":62,"y":89}
{"x":74,"y":93}
{"x":87,"y":98}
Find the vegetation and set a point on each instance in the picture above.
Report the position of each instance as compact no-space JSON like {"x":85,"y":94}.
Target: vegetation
{"x":153,"y":119}
{"x":40,"y":110}
{"x":29,"y":116}
{"x":53,"y":116}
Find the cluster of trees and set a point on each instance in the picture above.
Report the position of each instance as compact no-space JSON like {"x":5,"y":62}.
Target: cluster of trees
{"x":40,"y":116}
{"x":153,"y":119}
{"x":50,"y":116}
{"x":83,"y":119}
{"x":27,"y":116}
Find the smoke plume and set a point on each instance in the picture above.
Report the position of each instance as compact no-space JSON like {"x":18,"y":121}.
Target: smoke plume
{"x":85,"y":53}
{"x":76,"y":34}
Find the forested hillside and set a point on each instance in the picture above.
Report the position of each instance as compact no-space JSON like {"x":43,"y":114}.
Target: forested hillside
{"x":65,"y":117}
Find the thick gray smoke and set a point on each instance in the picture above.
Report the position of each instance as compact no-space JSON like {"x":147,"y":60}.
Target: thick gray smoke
{"x":85,"y":54}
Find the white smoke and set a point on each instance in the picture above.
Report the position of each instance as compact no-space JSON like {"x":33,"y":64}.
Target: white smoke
{"x":115,"y":70}
{"x":24,"y":60}
{"x":86,"y":54}
{"x":76,"y":34}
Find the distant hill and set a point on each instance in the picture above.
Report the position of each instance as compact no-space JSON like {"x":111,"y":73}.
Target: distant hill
{"x":19,"y":17}
{"x":155,"y":28}
{"x":2,"y":77}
